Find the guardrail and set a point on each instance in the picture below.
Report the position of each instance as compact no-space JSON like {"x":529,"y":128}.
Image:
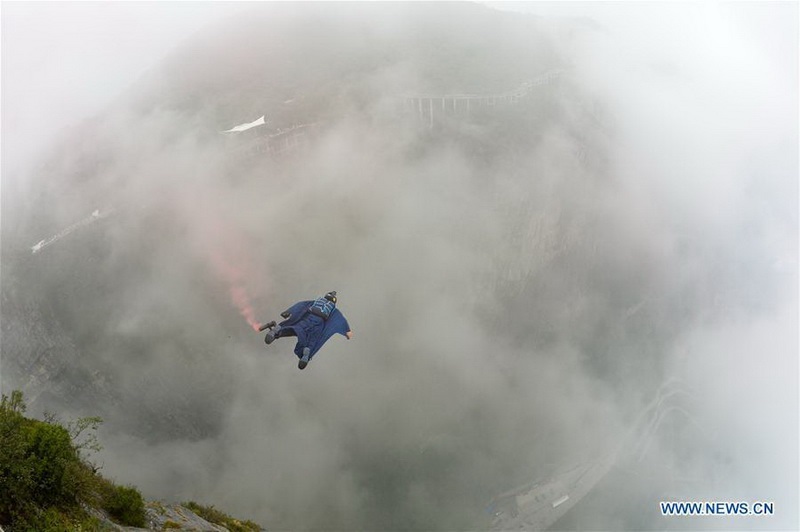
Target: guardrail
{"x":428,"y":107}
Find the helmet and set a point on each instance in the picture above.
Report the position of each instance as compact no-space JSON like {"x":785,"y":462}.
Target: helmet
{"x":331,"y":296}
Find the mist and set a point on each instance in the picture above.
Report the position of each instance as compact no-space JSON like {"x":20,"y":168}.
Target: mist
{"x":520,"y":283}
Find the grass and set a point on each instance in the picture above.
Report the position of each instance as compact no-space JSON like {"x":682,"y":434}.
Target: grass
{"x":212,"y":515}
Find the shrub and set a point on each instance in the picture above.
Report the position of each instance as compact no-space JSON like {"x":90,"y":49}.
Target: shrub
{"x":42,"y":477}
{"x":50,"y":454}
{"x":55,"y":520}
{"x":125,"y":505}
{"x":36,"y":460}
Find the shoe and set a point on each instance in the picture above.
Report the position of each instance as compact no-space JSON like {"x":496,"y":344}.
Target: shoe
{"x":272,"y":334}
{"x":304,"y":361}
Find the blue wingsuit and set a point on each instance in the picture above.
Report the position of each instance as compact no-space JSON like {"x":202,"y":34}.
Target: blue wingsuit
{"x":312,"y":330}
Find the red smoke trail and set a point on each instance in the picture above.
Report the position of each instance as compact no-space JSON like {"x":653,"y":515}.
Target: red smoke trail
{"x":231,"y":267}
{"x":234,"y":279}
{"x":223,"y":245}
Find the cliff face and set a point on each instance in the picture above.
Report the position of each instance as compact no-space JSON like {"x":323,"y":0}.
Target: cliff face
{"x":165,"y":517}
{"x":68,"y":329}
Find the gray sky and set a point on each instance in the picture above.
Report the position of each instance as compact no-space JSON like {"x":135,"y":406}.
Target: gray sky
{"x":64,"y":61}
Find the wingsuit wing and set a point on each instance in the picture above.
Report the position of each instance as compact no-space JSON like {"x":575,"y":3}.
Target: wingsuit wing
{"x":336,"y":323}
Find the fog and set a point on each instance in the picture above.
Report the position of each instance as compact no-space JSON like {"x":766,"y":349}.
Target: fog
{"x":519,"y":283}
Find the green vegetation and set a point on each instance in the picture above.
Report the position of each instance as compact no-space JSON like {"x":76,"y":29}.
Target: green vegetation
{"x":44,"y":478}
{"x":212,"y":515}
{"x":47,"y":482}
{"x":125,"y":505}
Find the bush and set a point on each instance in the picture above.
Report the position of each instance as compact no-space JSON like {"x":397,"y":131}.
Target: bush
{"x":15,"y":474}
{"x":125,"y":505}
{"x":55,"y":520}
{"x":50,"y":455}
{"x":36,"y":460}
{"x":42,"y":478}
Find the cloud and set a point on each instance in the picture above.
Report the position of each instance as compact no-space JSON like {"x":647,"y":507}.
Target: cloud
{"x":519,"y":285}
